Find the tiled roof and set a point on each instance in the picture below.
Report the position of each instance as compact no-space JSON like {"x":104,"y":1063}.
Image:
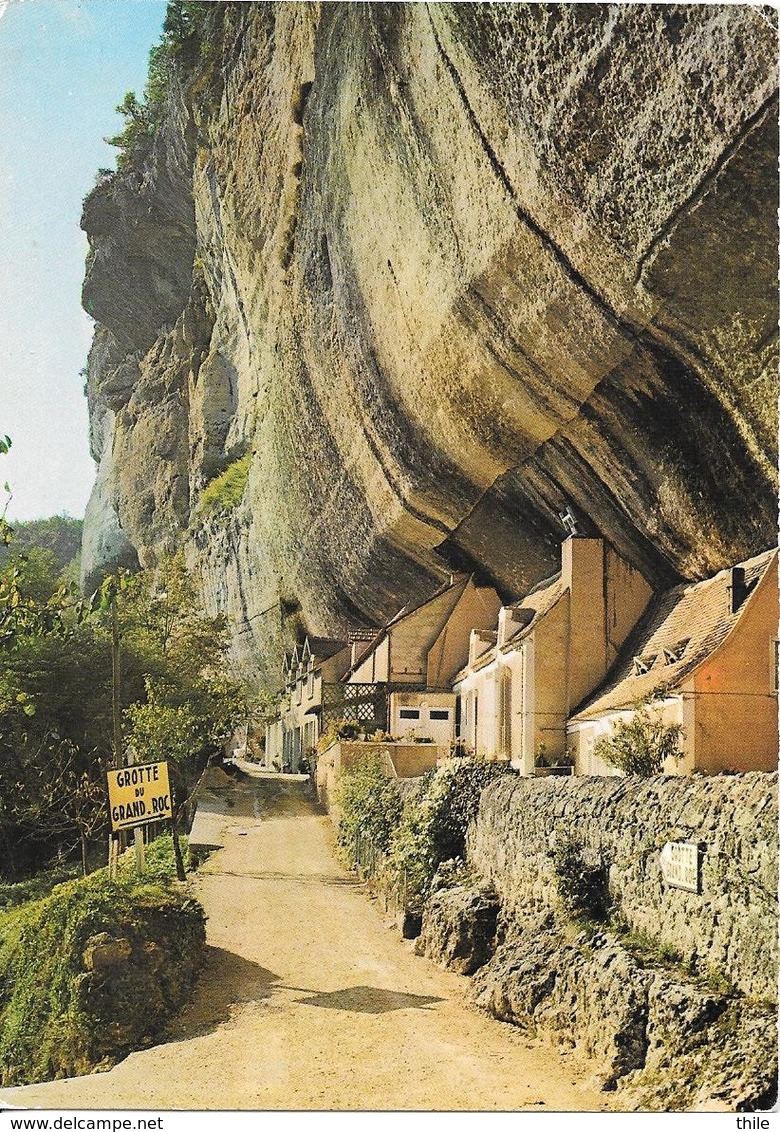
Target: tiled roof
{"x":529,"y":610}
{"x":323,"y":648}
{"x":454,"y":587}
{"x":677,"y":634}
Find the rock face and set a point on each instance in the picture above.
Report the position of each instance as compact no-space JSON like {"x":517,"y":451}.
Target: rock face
{"x":459,"y":926}
{"x":440,"y":269}
{"x":664,"y":1041}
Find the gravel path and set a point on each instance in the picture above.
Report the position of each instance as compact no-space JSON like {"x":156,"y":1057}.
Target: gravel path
{"x":309,"y":1001}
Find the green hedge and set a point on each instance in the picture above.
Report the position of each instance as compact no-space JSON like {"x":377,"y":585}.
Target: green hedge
{"x":419,"y":832}
{"x":94,"y":970}
{"x":435,"y":821}
{"x":369,"y":807}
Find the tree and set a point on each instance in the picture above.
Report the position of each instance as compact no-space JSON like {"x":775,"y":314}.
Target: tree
{"x":55,"y":741}
{"x":57,"y":724}
{"x":191,"y":704}
{"x":177,"y":51}
{"x":58,"y":535}
{"x":138,"y":128}
{"x":641,"y":744}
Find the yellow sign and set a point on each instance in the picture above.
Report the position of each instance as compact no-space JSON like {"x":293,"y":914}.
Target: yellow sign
{"x":139,"y":794}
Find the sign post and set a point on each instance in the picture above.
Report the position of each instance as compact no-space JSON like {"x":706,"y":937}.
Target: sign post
{"x":138,"y":795}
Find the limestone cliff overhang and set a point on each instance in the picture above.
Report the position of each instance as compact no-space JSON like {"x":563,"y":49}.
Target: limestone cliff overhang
{"x":679,"y":633}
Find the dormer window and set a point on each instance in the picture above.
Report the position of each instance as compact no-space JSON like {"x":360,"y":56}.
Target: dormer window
{"x":675,"y":652}
{"x":643,"y":664}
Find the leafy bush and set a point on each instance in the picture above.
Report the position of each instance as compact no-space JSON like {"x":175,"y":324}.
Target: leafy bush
{"x":347,"y":729}
{"x":23,"y":891}
{"x":641,"y":745}
{"x":435,"y":821}
{"x":223,"y":494}
{"x":91,"y":972}
{"x":582,"y":886}
{"x":370,"y":807}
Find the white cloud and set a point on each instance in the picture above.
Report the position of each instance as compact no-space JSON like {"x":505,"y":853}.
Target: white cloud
{"x":6,"y":4}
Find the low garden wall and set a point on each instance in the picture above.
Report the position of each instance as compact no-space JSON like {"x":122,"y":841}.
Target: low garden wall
{"x":728,"y":926}
{"x":400,"y":760}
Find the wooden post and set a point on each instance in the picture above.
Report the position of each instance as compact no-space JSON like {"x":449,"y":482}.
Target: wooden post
{"x":116,"y":681}
{"x":138,"y":835}
{"x":138,"y":842}
{"x":116,"y":690}
{"x":113,"y":856}
{"x":180,"y":873}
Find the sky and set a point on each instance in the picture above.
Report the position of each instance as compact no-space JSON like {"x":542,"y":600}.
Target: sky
{"x":64,"y":66}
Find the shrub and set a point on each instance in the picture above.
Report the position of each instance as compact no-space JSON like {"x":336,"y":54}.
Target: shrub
{"x":347,"y":729}
{"x":189,"y":33}
{"x":582,"y":886}
{"x":93,"y":971}
{"x":641,"y":745}
{"x":23,"y":891}
{"x":370,"y":807}
{"x":223,"y":494}
{"x":435,"y":821}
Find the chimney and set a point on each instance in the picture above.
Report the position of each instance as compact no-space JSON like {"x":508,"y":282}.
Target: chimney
{"x":583,"y":572}
{"x":360,"y":641}
{"x":738,"y":590}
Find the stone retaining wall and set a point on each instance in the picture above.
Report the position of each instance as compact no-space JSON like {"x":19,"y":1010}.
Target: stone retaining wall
{"x":729,"y":927}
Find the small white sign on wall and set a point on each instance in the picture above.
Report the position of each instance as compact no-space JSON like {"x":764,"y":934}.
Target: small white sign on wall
{"x":680,"y":865}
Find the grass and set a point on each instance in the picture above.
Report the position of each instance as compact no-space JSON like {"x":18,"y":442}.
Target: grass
{"x":94,"y":969}
{"x":22,"y":892}
{"x":223,"y":494}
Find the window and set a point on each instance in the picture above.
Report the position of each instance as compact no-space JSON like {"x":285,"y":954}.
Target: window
{"x":439,"y":713}
{"x":409,"y":713}
{"x":643,"y":664}
{"x":674,"y":652}
{"x":310,"y":683}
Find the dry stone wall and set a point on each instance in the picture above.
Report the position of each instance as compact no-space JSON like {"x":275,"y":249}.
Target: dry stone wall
{"x":729,"y":927}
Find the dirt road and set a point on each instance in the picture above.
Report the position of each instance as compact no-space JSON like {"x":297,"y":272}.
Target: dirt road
{"x":309,"y":1001}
